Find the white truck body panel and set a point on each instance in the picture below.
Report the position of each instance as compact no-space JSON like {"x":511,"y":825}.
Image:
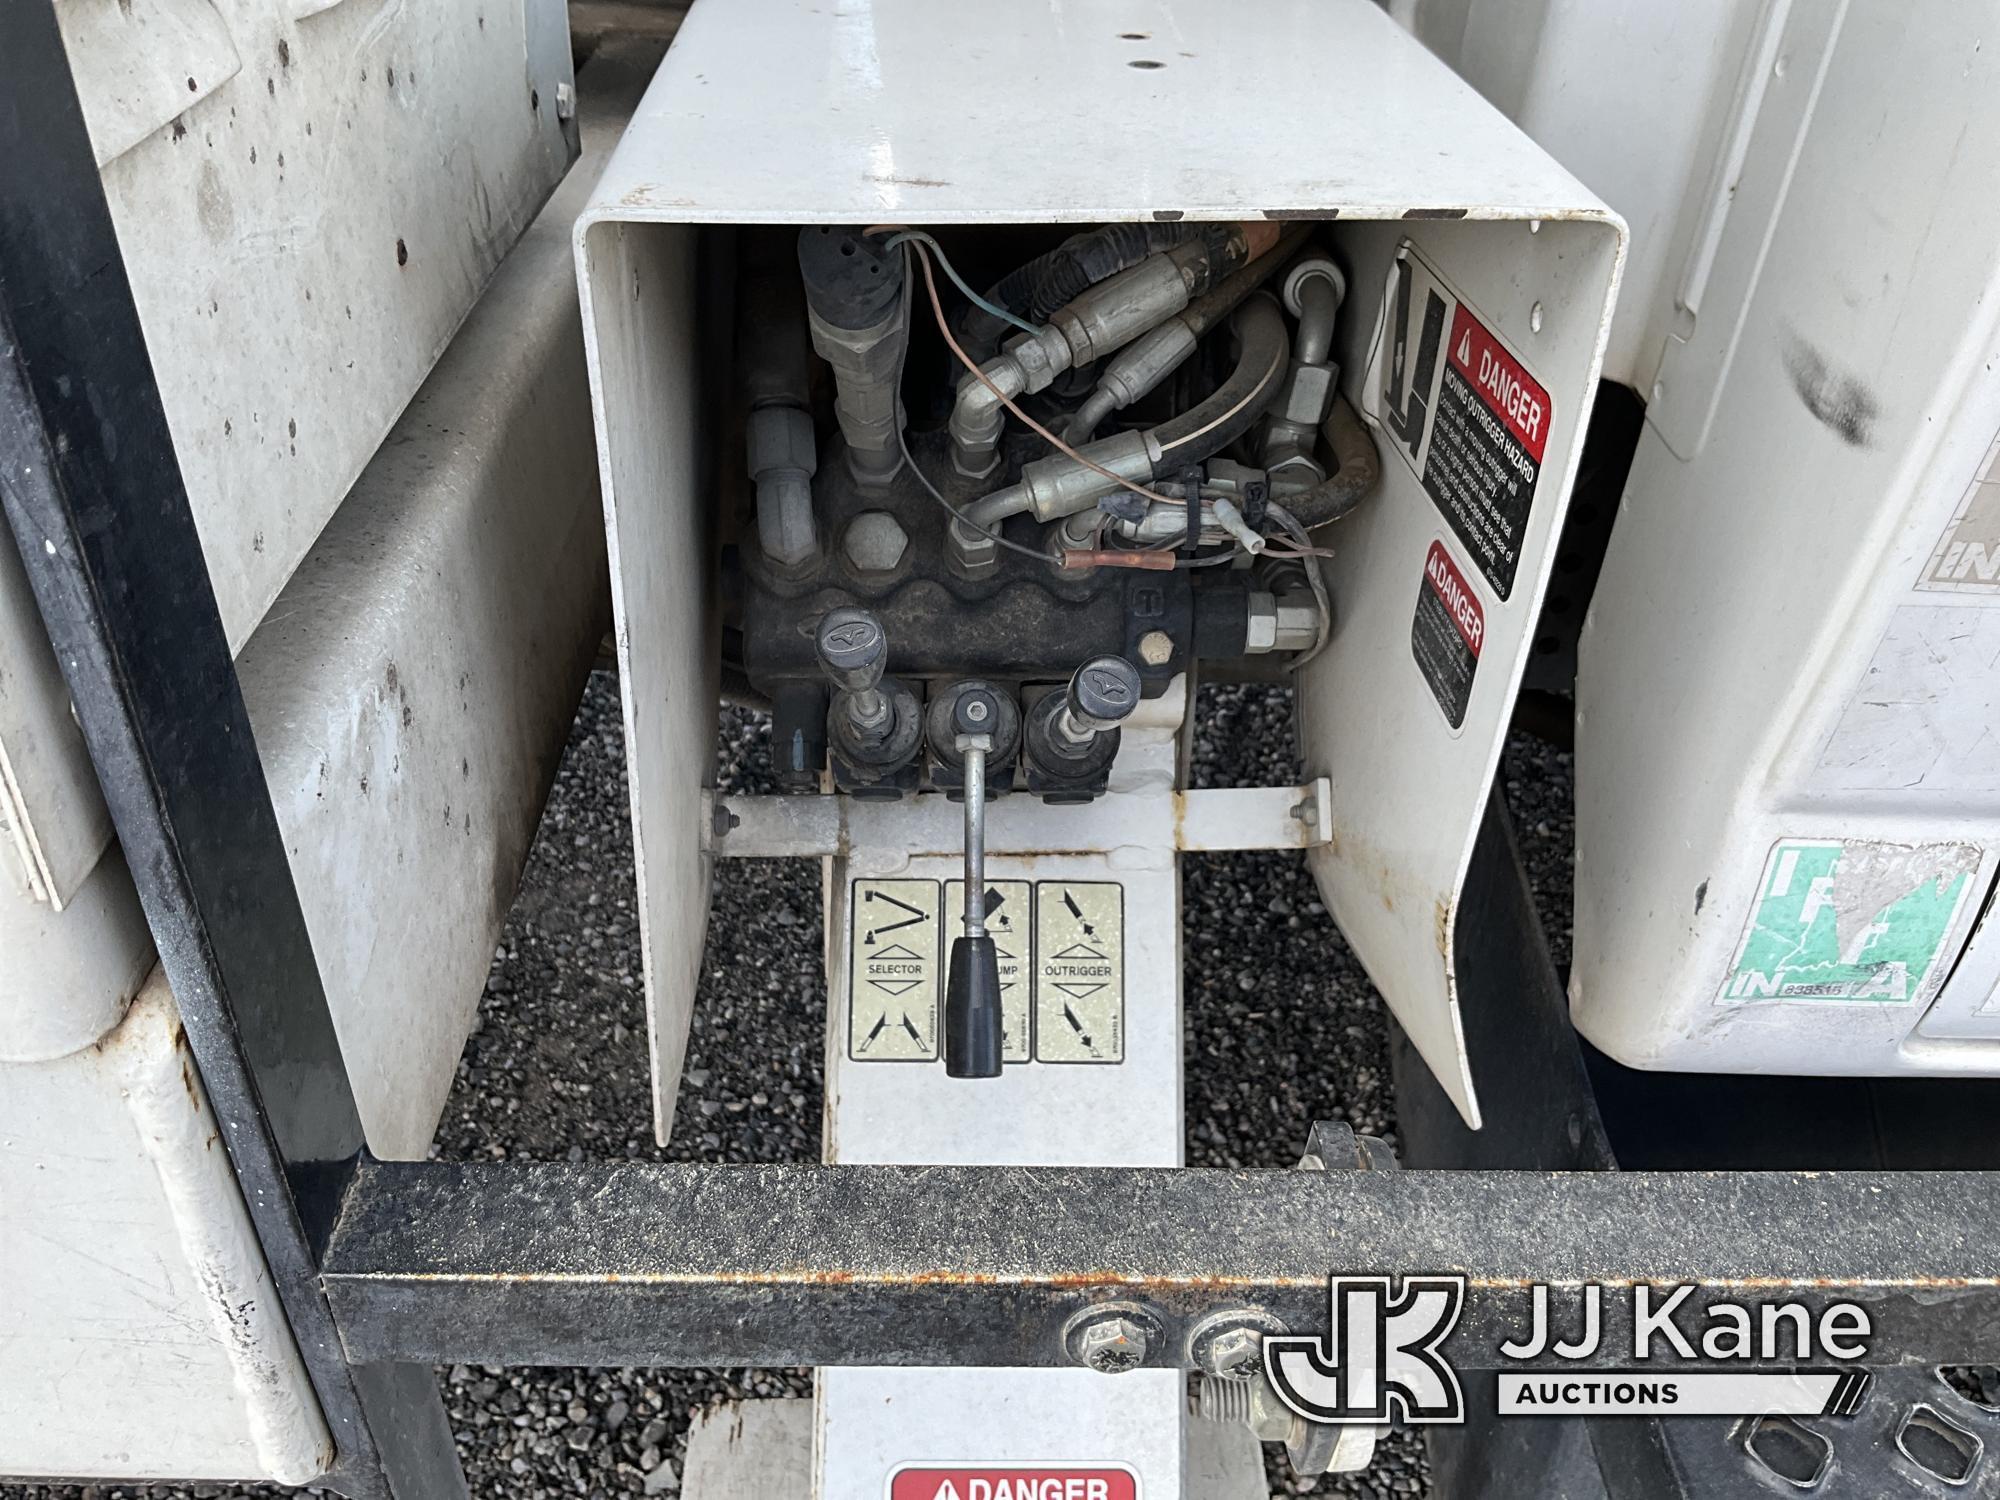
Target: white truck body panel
{"x":1788,"y":784}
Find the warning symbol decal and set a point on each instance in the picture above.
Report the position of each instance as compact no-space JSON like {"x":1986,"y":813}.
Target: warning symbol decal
{"x":1079,"y":971}
{"x":1464,"y":413}
{"x":893,"y":969}
{"x":1447,"y":633}
{"x":1011,"y":926}
{"x":1014,"y":1481}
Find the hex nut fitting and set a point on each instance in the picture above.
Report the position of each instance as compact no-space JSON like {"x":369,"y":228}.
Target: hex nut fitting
{"x":1112,"y":1345}
{"x":875,"y":542}
{"x":1235,"y":1353}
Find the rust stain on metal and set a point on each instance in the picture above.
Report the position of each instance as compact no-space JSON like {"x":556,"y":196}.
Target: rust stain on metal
{"x":1165,"y":1285}
{"x":1443,"y":930}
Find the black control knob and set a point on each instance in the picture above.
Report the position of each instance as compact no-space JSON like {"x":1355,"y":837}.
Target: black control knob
{"x":874,"y":724}
{"x":973,"y":1036}
{"x":1103,"y":693}
{"x":1072,"y":736}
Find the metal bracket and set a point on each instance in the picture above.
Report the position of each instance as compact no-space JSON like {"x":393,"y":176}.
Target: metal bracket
{"x":1276,"y":817}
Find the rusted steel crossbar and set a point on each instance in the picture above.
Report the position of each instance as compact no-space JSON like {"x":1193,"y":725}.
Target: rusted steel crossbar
{"x":635,"y":1263}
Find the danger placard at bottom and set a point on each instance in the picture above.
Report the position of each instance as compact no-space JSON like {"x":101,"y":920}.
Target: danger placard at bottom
{"x":1014,"y":1482}
{"x":1447,"y":633}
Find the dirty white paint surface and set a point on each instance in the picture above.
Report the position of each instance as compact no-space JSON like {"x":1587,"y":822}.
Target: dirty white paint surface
{"x":412,"y":688}
{"x":308,"y":201}
{"x":140,"y":1336}
{"x":1790,"y":641}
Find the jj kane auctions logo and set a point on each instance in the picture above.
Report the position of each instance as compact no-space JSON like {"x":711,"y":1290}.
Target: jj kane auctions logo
{"x":1382,"y":1357}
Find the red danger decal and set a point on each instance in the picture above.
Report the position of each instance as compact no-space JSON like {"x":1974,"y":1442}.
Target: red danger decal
{"x":1014,"y":1483}
{"x":1456,"y":595}
{"x":1515,"y":396}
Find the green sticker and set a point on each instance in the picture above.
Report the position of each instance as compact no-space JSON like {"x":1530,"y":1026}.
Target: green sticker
{"x":1850,"y":921}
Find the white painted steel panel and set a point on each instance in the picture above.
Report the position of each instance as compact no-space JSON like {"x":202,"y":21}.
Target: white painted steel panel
{"x":1632,"y":96}
{"x":303,"y":241}
{"x":1126,"y":1114}
{"x":66,"y":977}
{"x":762,"y":1450}
{"x":1103,"y":1113}
{"x":414,"y":685}
{"x":140,"y":1336}
{"x":56,"y":819}
{"x":778,"y":111}
{"x":1784,"y":648}
{"x":871,"y":1421}
{"x":786,"y":111}
{"x":308,"y":201}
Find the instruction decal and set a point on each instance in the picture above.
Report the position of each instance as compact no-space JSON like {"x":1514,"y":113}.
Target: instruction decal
{"x":1447,"y":633}
{"x":893,"y":971}
{"x":1464,"y":413}
{"x":1079,"y":971}
{"x":1966,"y":559}
{"x":1857,"y":921}
{"x":1011,"y":925}
{"x":1014,"y":1481}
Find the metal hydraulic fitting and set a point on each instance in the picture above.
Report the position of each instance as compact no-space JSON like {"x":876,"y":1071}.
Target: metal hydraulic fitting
{"x":783,"y":459}
{"x":1072,"y":736}
{"x":874,"y":725}
{"x":1101,"y":320}
{"x":857,"y":306}
{"x":1313,"y":291}
{"x":1281,"y":622}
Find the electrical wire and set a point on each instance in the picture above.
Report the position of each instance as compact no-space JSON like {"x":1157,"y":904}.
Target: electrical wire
{"x":1309,"y":560}
{"x":904,"y":236}
{"x":924,"y":244}
{"x":944,"y":328}
{"x":1250,"y":395}
{"x":952,"y":511}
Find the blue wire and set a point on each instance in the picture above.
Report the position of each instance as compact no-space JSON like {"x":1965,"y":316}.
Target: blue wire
{"x":959,"y":281}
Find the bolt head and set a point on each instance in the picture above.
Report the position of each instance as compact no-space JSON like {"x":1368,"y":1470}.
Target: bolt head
{"x":1235,"y":1353}
{"x":875,"y":542}
{"x":1156,"y":648}
{"x":1112,"y":1346}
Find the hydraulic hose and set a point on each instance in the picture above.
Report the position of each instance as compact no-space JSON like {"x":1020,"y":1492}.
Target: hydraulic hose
{"x":1263,"y":353}
{"x":1059,"y":485}
{"x":1143,"y":364}
{"x":1078,"y":263}
{"x":1359,"y":468}
{"x":1083,"y":260}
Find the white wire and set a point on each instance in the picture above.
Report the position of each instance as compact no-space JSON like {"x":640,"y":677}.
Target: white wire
{"x":1310,"y":562}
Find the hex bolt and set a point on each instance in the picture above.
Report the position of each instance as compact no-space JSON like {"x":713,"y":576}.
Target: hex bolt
{"x":1156,"y":648}
{"x":1234,"y":1353}
{"x":1247,"y":1403}
{"x":1112,"y":1346}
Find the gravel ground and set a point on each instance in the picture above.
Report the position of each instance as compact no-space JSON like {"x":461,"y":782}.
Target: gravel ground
{"x":557,"y":1067}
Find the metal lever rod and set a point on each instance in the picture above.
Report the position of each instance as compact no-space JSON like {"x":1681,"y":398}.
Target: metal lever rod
{"x":974,"y":747}
{"x":973,"y":1039}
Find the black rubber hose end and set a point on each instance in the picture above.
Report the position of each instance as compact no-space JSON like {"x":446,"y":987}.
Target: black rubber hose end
{"x":972,"y":1035}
